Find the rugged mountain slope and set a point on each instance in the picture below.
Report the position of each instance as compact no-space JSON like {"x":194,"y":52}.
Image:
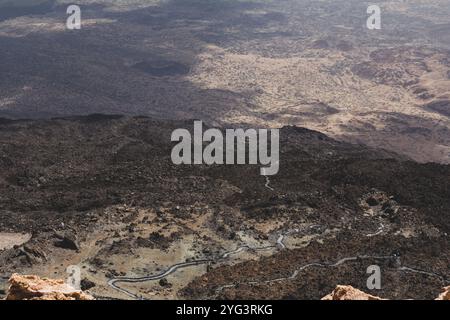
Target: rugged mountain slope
{"x":100,"y":192}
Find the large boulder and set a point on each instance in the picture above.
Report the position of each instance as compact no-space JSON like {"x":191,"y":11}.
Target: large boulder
{"x":30,"y":287}
{"x":349,"y":293}
{"x":67,"y":240}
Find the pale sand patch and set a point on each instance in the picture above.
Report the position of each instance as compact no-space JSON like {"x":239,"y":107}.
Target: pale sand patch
{"x":9,"y":240}
{"x":23,"y":26}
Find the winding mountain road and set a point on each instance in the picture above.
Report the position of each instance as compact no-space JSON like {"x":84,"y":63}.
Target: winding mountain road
{"x":115,"y":281}
{"x":294,"y":275}
{"x":280,"y":245}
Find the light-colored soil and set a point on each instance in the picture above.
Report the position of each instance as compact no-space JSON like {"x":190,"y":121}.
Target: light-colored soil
{"x":9,"y":240}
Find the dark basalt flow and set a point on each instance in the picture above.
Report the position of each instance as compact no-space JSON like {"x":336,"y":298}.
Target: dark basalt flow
{"x":10,"y":9}
{"x":441,"y":106}
{"x":160,"y":68}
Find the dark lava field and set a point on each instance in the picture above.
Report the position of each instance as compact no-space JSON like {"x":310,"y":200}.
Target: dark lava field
{"x":340,"y":207}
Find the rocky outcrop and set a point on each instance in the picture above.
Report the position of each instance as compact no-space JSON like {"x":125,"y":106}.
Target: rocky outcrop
{"x":67,"y":240}
{"x":349,"y":293}
{"x":33,"y":254}
{"x":30,"y":287}
{"x":445,"y":295}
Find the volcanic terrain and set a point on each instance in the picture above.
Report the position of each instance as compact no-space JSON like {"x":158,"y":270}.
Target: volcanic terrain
{"x":101,"y":193}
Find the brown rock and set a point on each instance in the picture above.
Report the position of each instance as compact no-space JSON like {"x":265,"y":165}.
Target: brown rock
{"x":349,"y":293}
{"x":30,"y":287}
{"x":445,"y":295}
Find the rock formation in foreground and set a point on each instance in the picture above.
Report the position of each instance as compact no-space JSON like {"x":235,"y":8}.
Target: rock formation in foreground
{"x":445,"y":295}
{"x":30,"y":287}
{"x":350,"y":293}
